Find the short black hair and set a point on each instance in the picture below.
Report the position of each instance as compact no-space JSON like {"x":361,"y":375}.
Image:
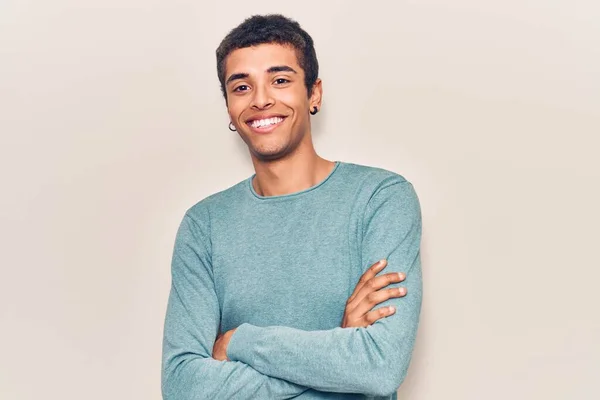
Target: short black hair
{"x":271,"y":28}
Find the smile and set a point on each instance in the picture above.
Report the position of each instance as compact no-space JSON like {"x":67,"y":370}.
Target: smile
{"x":265,"y":125}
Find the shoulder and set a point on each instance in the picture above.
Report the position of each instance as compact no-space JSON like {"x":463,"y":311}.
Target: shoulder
{"x":372,"y":180}
{"x":373,"y":174}
{"x":384,"y":197}
{"x":202,"y":211}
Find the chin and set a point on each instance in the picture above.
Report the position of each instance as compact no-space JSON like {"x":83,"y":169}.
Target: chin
{"x":269,"y":153}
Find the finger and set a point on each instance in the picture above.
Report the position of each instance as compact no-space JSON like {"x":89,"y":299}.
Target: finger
{"x":375,"y":284}
{"x":379,"y":313}
{"x":374,"y":298}
{"x":369,"y":274}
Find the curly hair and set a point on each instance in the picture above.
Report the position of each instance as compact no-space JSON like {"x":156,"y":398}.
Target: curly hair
{"x":272,"y":28}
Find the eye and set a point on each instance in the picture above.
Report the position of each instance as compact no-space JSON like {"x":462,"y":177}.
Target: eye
{"x":241,"y":88}
{"x":281,"y":81}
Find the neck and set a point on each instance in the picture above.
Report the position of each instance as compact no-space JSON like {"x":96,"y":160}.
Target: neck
{"x":298,"y":171}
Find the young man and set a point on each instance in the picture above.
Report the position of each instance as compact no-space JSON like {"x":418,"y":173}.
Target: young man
{"x":274,"y":280}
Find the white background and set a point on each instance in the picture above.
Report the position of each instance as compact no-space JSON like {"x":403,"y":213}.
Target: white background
{"x":112,"y":124}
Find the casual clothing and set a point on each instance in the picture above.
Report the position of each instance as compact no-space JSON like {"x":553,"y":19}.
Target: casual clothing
{"x":280,"y":269}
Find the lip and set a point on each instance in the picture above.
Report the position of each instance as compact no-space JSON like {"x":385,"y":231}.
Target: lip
{"x":266,"y":129}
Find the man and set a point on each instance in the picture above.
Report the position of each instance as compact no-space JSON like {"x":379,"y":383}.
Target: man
{"x":274,"y":280}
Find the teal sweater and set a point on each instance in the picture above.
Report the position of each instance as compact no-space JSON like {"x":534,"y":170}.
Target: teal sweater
{"x":280,"y":269}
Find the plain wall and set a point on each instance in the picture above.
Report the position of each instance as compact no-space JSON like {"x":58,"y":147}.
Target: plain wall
{"x":112,"y":125}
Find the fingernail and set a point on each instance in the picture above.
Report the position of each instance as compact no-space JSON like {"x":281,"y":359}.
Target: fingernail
{"x":400,"y":275}
{"x":381,"y":262}
{"x":392,"y":309}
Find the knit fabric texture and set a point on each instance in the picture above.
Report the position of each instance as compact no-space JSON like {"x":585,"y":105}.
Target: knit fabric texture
{"x":280,"y":269}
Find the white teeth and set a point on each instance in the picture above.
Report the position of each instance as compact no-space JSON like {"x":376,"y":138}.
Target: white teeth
{"x":266,"y":122}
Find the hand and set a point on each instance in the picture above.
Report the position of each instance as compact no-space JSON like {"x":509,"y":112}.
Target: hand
{"x":220,"y":348}
{"x":367,"y":294}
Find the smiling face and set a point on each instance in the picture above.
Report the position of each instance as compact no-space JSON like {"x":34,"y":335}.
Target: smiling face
{"x":267,"y":100}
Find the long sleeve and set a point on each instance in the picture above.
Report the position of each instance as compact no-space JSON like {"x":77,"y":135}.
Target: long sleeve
{"x":370,"y":360}
{"x":191,"y":327}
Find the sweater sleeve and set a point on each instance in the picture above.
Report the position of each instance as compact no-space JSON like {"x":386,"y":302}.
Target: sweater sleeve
{"x":371,"y":360}
{"x":190,"y":330}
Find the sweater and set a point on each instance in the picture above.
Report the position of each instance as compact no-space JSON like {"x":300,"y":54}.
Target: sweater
{"x":280,"y":269}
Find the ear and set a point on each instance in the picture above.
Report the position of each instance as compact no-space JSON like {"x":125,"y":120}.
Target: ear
{"x":316,"y":95}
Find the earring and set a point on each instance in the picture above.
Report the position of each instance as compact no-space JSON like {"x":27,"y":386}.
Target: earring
{"x":230,"y":128}
{"x":314,"y":110}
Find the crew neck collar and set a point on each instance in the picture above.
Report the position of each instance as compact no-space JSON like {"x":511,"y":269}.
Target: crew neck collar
{"x":290,"y":195}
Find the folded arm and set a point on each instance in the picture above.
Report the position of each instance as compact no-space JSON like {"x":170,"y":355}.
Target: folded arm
{"x":191,"y":327}
{"x":371,"y":360}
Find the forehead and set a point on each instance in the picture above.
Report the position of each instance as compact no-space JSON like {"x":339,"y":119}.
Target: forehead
{"x":257,"y":59}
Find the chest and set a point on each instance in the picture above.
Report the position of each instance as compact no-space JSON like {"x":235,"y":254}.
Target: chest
{"x":296,"y":272}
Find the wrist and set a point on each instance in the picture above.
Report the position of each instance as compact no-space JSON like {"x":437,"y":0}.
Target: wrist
{"x":238,"y":341}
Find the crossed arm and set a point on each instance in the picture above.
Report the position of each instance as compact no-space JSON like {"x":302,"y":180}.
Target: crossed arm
{"x":281,"y":362}
{"x":188,"y":371}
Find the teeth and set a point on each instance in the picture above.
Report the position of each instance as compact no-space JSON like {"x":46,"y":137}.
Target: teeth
{"x":266,"y":122}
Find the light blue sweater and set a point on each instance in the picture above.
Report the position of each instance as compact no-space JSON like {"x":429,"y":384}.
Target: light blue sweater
{"x":280,"y":269}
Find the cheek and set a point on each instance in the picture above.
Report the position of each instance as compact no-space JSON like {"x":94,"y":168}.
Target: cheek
{"x":296,"y":100}
{"x":234,"y":109}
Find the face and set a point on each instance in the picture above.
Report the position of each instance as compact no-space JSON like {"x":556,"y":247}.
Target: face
{"x":267,"y":100}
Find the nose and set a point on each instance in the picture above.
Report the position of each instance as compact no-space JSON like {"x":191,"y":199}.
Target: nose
{"x":262,"y":98}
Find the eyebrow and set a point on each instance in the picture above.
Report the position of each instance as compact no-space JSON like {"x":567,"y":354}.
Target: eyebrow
{"x":234,"y":77}
{"x":281,"y":68}
{"x":277,"y":68}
